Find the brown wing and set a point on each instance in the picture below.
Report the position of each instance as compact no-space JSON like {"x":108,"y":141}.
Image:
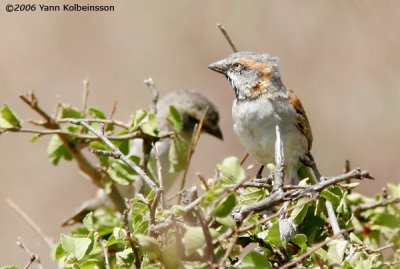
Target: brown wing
{"x":302,"y":122}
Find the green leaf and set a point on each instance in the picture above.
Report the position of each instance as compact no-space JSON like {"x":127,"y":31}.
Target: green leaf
{"x":322,"y":254}
{"x":58,"y":252}
{"x":88,"y":221}
{"x":170,"y":258}
{"x":89,"y":264}
{"x":194,"y":240}
{"x":226,"y":206}
{"x":70,"y":112}
{"x":336,"y":251}
{"x":124,"y":259}
{"x":8,"y":119}
{"x":273,"y":235}
{"x":121,"y":173}
{"x":138,"y":117}
{"x":34,"y":138}
{"x":333,"y":195}
{"x":96,"y":113}
{"x":227,"y":221}
{"x":75,"y":246}
{"x":211,"y":196}
{"x":255,"y":260}
{"x":175,"y":119}
{"x":231,"y":168}
{"x":9,"y":267}
{"x":150,"y":126}
{"x":301,"y":241}
{"x":150,"y":245}
{"x":387,"y":220}
{"x":56,"y":150}
{"x":299,"y":213}
{"x":251,"y":195}
{"x":178,"y":154}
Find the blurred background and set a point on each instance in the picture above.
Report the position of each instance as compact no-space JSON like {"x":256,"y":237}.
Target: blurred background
{"x":341,"y":57}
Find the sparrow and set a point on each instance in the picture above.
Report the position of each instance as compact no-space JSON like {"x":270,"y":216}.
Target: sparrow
{"x":261,"y":103}
{"x":191,"y":105}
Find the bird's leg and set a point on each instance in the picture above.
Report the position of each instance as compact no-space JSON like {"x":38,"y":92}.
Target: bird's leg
{"x":259,"y":173}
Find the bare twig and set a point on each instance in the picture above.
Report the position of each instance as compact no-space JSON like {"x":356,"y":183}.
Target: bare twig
{"x":135,"y":250}
{"x":244,"y":158}
{"x":31,"y":223}
{"x":223,"y":31}
{"x":32,"y":257}
{"x":105,"y":251}
{"x":85,"y":95}
{"x":207,"y":235}
{"x":228,"y":250}
{"x":117,"y":153}
{"x":154,"y":93}
{"x":105,"y":121}
{"x":312,"y":249}
{"x":192,"y":148}
{"x":370,"y":251}
{"x":203,"y":181}
{"x":132,"y":135}
{"x":159,"y":175}
{"x":114,"y":110}
{"x":383,"y":202}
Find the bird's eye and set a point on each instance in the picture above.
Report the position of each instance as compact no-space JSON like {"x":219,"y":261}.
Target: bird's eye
{"x":237,"y":66}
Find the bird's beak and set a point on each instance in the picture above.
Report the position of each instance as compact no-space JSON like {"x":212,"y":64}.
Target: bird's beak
{"x":214,"y":131}
{"x":220,"y":67}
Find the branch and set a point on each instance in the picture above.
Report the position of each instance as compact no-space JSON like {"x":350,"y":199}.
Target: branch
{"x":135,"y":250}
{"x":154,"y":94}
{"x":117,"y":154}
{"x":104,"y":249}
{"x":279,"y":196}
{"x":132,"y":135}
{"x":159,"y":175}
{"x":105,"y":121}
{"x":223,"y":31}
{"x":383,"y":202}
{"x":85,"y":95}
{"x":209,"y":244}
{"x":32,"y":257}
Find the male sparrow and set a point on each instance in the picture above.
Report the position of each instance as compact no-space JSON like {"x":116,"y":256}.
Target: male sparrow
{"x":262,"y":102}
